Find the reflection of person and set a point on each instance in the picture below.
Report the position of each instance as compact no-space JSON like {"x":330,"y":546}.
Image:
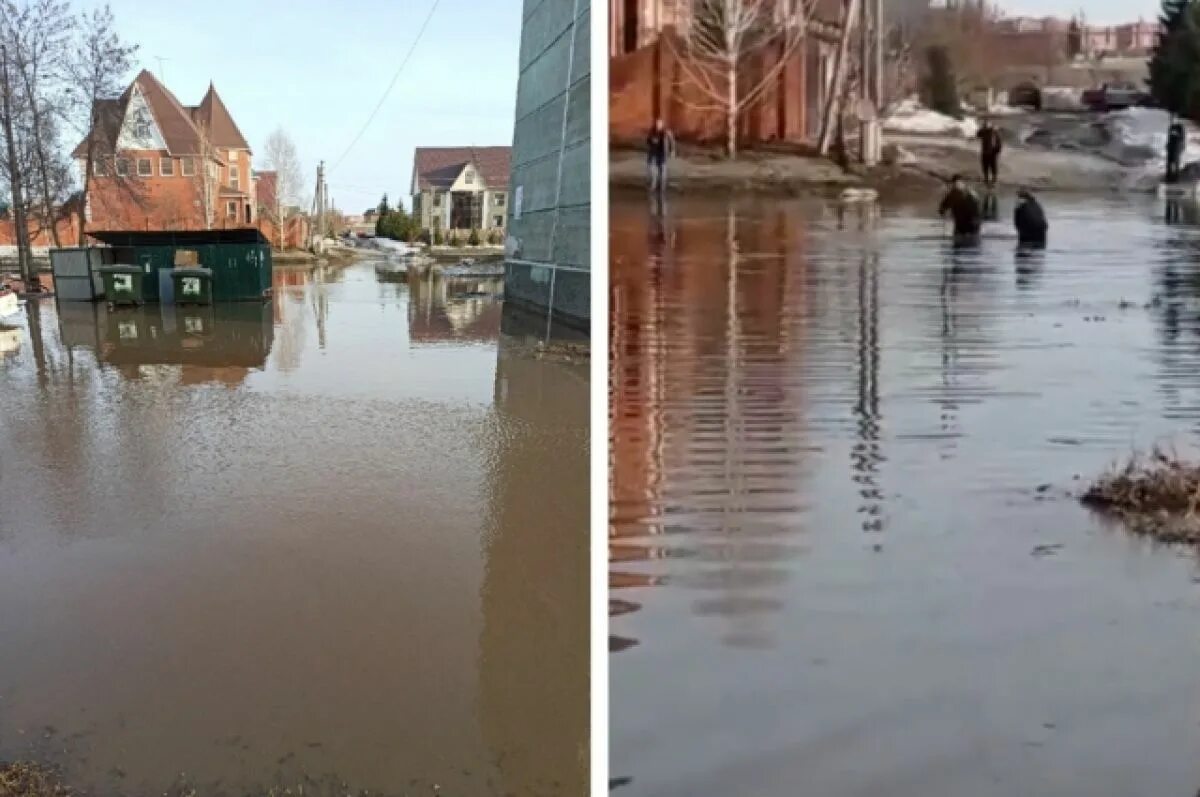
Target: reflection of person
{"x":990,"y":145}
{"x":660,"y":145}
{"x":1176,"y":139}
{"x":1030,"y":220}
{"x":963,"y":206}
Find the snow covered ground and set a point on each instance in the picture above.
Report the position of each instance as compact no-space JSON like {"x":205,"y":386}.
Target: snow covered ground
{"x":911,"y":117}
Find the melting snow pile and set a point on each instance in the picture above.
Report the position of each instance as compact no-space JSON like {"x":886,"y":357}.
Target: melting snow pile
{"x":910,"y":116}
{"x":1139,"y":136}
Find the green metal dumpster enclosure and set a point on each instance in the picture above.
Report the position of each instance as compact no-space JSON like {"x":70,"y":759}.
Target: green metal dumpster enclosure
{"x":239,"y":260}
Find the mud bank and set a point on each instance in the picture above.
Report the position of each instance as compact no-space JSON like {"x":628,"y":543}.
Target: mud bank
{"x":921,"y":163}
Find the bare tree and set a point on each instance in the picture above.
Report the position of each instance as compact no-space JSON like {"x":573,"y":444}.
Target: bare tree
{"x":280,"y":156}
{"x":37,"y":33}
{"x":726,"y":36}
{"x":10,"y":108}
{"x":832,"y":114}
{"x":96,"y":71}
{"x":205,"y":176}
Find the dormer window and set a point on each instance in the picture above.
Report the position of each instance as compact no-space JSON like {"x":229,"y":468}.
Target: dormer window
{"x":469,"y":177}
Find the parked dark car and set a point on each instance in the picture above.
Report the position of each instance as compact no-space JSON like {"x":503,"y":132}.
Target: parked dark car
{"x":1026,"y":95}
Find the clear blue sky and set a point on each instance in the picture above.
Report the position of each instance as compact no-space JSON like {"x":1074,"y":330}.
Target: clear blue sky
{"x":317,"y":69}
{"x":1100,"y":12}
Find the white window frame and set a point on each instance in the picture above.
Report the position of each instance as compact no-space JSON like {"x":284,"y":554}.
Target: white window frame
{"x":235,"y":176}
{"x":498,"y":199}
{"x":99,"y":168}
{"x":231,"y":209}
{"x":187,"y":167}
{"x":469,"y":177}
{"x":149,"y":167}
{"x":118,"y":170}
{"x":166,"y":167}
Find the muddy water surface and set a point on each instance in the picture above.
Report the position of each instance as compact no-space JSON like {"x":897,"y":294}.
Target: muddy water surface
{"x":844,"y":557}
{"x":341,"y":535}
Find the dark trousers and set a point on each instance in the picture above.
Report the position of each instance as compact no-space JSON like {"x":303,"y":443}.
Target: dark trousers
{"x":1172,"y":170}
{"x":990,"y":161}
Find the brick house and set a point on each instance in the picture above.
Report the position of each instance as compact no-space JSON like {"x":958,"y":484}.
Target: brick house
{"x":461,"y":188}
{"x":647,"y":81}
{"x":295,"y":223}
{"x":162,"y":165}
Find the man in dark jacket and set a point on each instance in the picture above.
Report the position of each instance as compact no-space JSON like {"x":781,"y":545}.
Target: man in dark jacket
{"x":660,"y":145}
{"x":1030,"y":220}
{"x":963,"y":206}
{"x":1176,"y":141}
{"x":990,"y":145}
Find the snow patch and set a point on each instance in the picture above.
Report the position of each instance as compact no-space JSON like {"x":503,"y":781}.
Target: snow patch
{"x":910,"y":116}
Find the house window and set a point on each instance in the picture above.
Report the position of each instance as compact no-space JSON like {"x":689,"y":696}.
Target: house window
{"x":437,"y":199}
{"x":145,"y":167}
{"x":166,"y":167}
{"x":187,"y":167}
{"x":499,"y":201}
{"x":231,"y":209}
{"x":470,"y":177}
{"x":100,"y":168}
{"x":498,"y":221}
{"x":234,"y":177}
{"x":122,"y":167}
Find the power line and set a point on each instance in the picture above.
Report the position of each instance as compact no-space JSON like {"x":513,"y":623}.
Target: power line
{"x":395,"y":77}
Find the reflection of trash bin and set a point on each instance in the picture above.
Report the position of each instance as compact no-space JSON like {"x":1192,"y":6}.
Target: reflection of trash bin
{"x":192,"y":285}
{"x":122,"y":284}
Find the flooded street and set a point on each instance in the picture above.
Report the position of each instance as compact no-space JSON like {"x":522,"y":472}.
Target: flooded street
{"x":340,"y":537}
{"x":845,"y":560}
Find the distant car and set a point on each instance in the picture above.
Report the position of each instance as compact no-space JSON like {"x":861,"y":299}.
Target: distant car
{"x":1114,"y":98}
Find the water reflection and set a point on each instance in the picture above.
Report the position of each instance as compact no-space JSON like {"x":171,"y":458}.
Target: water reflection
{"x":271,"y":581}
{"x":795,"y":384}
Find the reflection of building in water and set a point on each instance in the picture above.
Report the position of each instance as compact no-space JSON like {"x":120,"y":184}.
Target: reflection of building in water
{"x":444,"y":309}
{"x":534,"y":704}
{"x":219,"y":343}
{"x":705,"y":411}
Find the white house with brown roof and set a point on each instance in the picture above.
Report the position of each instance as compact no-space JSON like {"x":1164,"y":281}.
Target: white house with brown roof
{"x":461,"y":188}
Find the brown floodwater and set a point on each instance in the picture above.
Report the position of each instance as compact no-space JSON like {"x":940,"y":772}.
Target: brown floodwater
{"x":844,"y":556}
{"x":340,"y":537}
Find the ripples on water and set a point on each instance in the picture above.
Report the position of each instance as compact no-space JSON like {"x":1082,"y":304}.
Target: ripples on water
{"x":829,"y":431}
{"x":342,"y":534}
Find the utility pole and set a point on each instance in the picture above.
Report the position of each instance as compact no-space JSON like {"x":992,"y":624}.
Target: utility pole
{"x":869,"y":89}
{"x":24,"y":262}
{"x":317,"y":231}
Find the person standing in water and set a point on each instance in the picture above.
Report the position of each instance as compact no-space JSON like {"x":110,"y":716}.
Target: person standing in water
{"x":660,"y":145}
{"x":990,"y":145}
{"x":1030,"y":221}
{"x":963,"y":206}
{"x":1176,"y":140}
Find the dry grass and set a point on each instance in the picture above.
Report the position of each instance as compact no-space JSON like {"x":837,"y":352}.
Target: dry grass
{"x":30,"y":780}
{"x":1156,"y":495}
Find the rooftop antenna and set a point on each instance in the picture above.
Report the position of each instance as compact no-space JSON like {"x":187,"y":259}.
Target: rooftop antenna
{"x":162,"y":72}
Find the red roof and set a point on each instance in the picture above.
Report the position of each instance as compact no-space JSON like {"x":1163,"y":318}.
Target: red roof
{"x":439,"y":167}
{"x":180,"y":125}
{"x":212,"y":115}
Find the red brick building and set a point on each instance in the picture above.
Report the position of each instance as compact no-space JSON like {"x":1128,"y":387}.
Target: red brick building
{"x":646,"y":80}
{"x":163,"y":165}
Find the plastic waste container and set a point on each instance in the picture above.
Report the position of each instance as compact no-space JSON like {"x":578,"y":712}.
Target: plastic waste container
{"x":192,"y":285}
{"x":122,"y":284}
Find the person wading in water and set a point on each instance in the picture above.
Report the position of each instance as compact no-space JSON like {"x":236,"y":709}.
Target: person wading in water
{"x":963,"y":206}
{"x":1030,"y":221}
{"x":990,"y":145}
{"x":660,"y":145}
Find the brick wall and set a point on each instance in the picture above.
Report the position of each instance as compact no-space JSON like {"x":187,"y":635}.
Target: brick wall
{"x":651,"y":82}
